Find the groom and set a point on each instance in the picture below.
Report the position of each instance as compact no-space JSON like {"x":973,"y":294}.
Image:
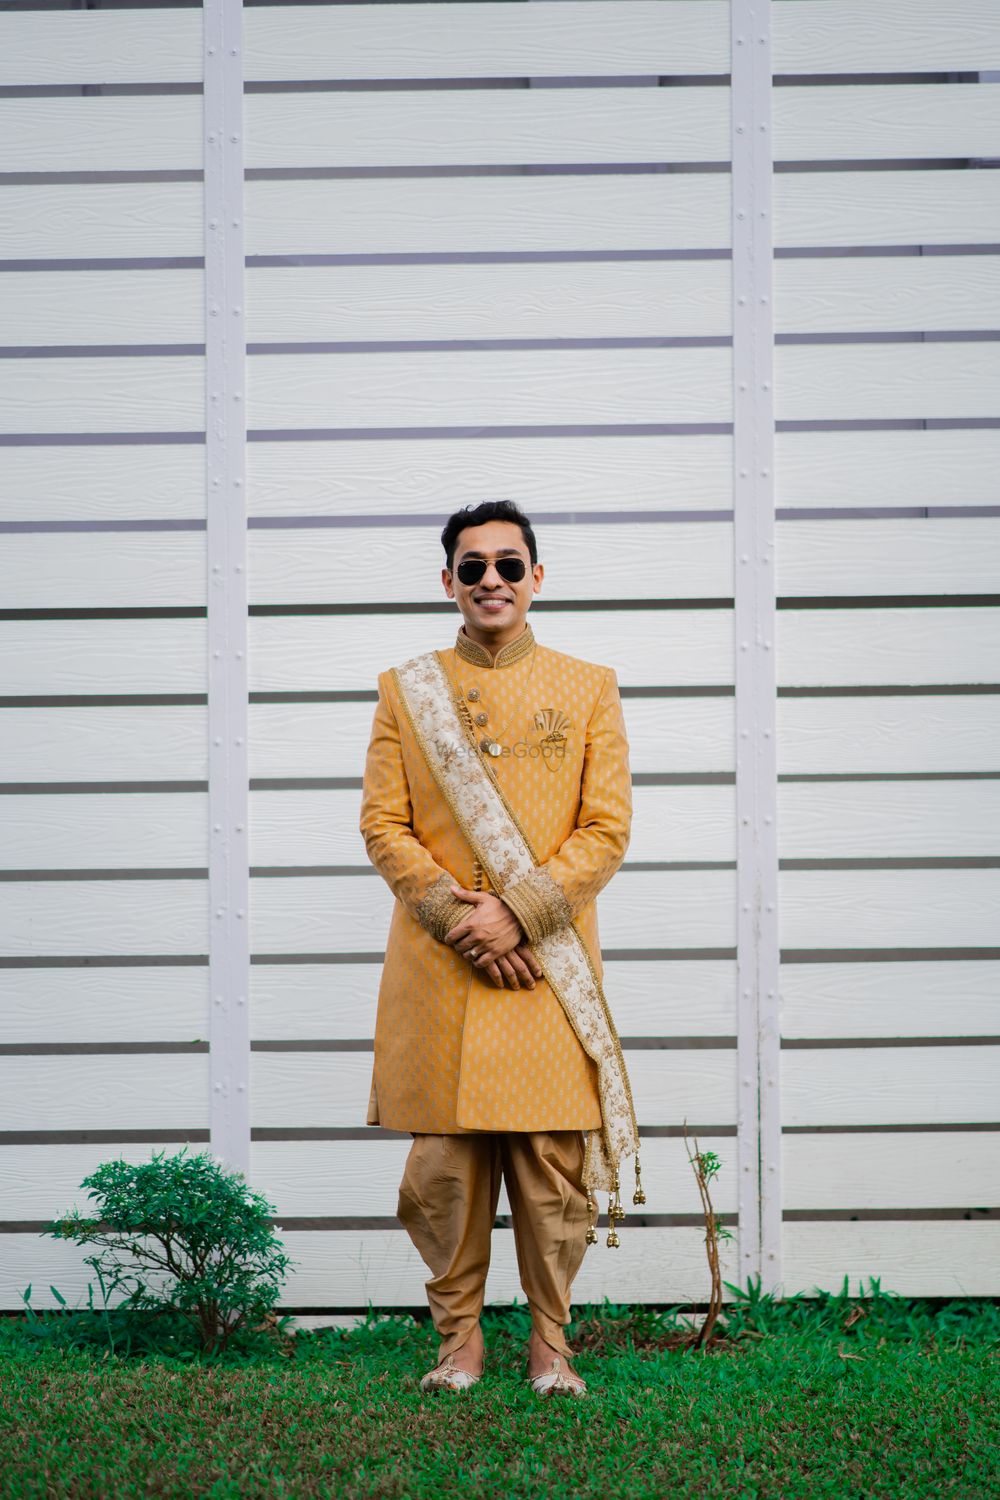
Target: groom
{"x":496,"y":805}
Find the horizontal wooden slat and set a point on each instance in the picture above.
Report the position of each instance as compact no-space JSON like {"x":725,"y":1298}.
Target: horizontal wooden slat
{"x":491,"y":387}
{"x":102,"y":656}
{"x":85,"y":1092}
{"x":890,"y":1086}
{"x":873,"y":908}
{"x":350,"y":914}
{"x":147,"y":742}
{"x":956,"y":1169}
{"x":313,"y":1179}
{"x":912,"y":1259}
{"x":841,"y":36}
{"x":948,"y":556}
{"x":934,"y":207}
{"x":126,"y":393}
{"x":162,"y":481}
{"x":65,"y":570}
{"x":611,"y":211}
{"x":95,"y":831}
{"x":582,"y":299}
{"x":901,"y":645}
{"x":858,"y":122}
{"x":844,"y":735}
{"x":303,"y":1089}
{"x":116,"y":46}
{"x":881,"y":820}
{"x":858,"y":382}
{"x":939,"y":998}
{"x":104,"y":918}
{"x":687,"y":997}
{"x":490,"y":40}
{"x":352,"y":1268}
{"x":133,"y":1004}
{"x":65,"y":220}
{"x":110,"y":133}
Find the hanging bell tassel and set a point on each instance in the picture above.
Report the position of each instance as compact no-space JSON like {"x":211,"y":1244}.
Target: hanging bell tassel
{"x":638,"y":1196}
{"x":591,"y":1216}
{"x":615,"y":1215}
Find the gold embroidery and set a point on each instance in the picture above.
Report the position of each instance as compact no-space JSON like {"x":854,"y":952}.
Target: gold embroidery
{"x":471,"y":651}
{"x":440,"y":911}
{"x":539,"y":904}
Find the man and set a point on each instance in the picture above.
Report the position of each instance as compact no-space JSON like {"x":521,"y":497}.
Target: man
{"x":497,"y":804}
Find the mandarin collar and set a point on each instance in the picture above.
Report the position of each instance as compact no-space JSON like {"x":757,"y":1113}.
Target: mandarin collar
{"x":514,"y":651}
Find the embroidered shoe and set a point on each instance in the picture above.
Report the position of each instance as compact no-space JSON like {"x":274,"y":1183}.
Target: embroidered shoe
{"x":447,"y":1377}
{"x":558,"y":1382}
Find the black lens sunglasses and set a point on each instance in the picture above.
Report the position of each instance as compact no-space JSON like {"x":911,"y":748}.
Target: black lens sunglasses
{"x":474,"y":568}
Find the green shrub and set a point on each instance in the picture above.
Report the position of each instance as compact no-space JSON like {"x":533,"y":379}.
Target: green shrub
{"x":181,"y":1235}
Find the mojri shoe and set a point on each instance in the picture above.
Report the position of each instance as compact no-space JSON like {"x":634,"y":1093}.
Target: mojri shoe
{"x":447,"y":1377}
{"x":557,"y":1381}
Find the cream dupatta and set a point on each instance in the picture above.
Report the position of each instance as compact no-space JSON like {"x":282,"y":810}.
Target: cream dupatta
{"x":492,"y":831}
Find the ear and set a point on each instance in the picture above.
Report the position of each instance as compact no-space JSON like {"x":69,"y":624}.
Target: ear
{"x":537,"y":574}
{"x":446,"y":579}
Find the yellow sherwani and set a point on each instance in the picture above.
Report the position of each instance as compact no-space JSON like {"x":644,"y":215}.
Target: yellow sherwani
{"x":452,"y":1052}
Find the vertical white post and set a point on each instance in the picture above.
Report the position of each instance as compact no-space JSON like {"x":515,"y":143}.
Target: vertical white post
{"x":225,"y":439}
{"x":758,"y":1032}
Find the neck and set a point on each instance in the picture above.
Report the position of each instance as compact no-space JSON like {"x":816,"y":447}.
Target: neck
{"x":494,"y":644}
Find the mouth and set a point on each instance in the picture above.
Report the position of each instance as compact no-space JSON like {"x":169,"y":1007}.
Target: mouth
{"x":493,"y":604}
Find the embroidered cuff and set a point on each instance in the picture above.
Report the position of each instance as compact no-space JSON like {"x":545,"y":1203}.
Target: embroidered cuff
{"x":539,"y":904}
{"x":440,"y":911}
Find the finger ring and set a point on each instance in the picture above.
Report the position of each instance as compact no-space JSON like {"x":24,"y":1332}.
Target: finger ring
{"x":473,"y":952}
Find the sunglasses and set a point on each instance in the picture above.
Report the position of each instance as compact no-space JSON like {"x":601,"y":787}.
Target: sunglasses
{"x":474,"y":568}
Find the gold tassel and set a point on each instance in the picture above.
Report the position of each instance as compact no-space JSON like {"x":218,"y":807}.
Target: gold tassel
{"x":615,"y":1215}
{"x":638,"y":1196}
{"x":591,"y":1216}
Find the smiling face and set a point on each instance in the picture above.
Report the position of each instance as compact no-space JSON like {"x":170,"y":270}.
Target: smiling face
{"x":494,"y":609}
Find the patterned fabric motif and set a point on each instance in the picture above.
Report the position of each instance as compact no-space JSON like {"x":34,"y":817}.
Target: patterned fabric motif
{"x":502,"y":848}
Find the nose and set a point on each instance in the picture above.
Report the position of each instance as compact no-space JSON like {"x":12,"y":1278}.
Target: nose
{"x":491,"y":578}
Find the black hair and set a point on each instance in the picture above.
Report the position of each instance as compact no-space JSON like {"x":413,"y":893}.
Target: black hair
{"x":478,"y":515}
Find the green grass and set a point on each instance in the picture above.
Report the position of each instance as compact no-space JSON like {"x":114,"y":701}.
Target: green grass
{"x":810,"y":1398}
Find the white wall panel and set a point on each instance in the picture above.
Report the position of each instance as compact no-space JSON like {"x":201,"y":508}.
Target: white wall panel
{"x":610,"y":211}
{"x":916,"y":467}
{"x":487,"y":128}
{"x":581,"y":562}
{"x":350,"y":1268}
{"x":38,"y":657}
{"x":886,"y":294}
{"x":330,"y":1089}
{"x":65,"y":220}
{"x":91,"y":394}
{"x":109,"y":133}
{"x":888,"y":908}
{"x":949,"y":556}
{"x":929,"y":998}
{"x":86,"y":1092}
{"x":350,"y":913}
{"x":60,"y":570}
{"x":865,"y":382}
{"x":146,"y":45}
{"x":859,"y":122}
{"x":330,"y":739}
{"x":934,"y":207}
{"x":163,"y":1003}
{"x":890,"y":1170}
{"x":488,"y":40}
{"x":842,"y":735}
{"x":148,"y":742}
{"x":321,"y":827}
{"x":888,"y":820}
{"x":496,"y":388}
{"x":433,"y":476}
{"x":913,"y":1259}
{"x":579,"y":299}
{"x":900,"y":645}
{"x":53,"y":918}
{"x":890,"y":1086}
{"x":682,"y":997}
{"x":841,"y":36}
{"x":102,"y":307}
{"x":133,"y":481}
{"x":645,"y":647}
{"x":95,"y":831}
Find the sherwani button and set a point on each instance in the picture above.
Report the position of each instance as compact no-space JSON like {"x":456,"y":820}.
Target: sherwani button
{"x":482,"y":718}
{"x":473,"y":695}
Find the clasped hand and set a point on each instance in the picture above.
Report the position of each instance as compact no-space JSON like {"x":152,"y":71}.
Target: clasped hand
{"x":494,"y":934}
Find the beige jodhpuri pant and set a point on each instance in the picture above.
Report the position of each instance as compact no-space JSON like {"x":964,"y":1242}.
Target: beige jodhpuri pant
{"x":448,"y":1201}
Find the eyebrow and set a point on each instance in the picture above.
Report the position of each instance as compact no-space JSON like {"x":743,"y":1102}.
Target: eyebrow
{"x":501,"y":552}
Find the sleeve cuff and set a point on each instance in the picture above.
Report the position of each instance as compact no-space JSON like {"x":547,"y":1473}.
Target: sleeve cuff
{"x":440,"y":911}
{"x":539,"y":904}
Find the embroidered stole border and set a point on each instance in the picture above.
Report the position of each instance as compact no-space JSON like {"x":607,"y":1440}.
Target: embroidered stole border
{"x":492,"y":832}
